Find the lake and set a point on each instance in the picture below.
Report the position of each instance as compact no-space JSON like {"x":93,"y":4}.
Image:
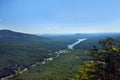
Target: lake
{"x":70,"y":46}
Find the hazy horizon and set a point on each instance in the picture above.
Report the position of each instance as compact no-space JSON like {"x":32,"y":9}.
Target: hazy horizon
{"x":62,"y":33}
{"x":60,"y":16}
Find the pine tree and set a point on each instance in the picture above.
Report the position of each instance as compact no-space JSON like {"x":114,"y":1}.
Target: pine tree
{"x":107,"y":59}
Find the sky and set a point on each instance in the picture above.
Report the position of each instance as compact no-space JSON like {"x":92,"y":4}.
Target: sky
{"x":60,"y":16}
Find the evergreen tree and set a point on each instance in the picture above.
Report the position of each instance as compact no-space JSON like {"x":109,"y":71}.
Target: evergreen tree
{"x":107,"y":59}
{"x":105,"y":63}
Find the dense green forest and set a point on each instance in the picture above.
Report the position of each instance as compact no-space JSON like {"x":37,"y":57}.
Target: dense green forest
{"x":105,"y":62}
{"x":20,"y":51}
{"x":62,"y":68}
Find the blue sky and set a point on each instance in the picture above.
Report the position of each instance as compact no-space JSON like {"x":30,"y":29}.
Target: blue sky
{"x":60,"y":16}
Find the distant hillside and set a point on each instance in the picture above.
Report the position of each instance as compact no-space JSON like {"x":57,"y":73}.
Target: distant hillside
{"x":9,"y":33}
{"x":8,"y":36}
{"x":20,"y":50}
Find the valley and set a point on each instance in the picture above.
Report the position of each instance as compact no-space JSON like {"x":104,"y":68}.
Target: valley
{"x":45,"y":60}
{"x":31,"y":57}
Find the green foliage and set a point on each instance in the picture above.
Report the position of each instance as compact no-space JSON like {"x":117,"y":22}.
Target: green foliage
{"x":86,"y":71}
{"x":20,"y":51}
{"x":107,"y":59}
{"x":62,"y":68}
{"x":105,"y":64}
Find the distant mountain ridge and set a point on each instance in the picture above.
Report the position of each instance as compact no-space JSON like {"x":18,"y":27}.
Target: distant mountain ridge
{"x":9,"y":33}
{"x":20,"y":50}
{"x":11,"y":36}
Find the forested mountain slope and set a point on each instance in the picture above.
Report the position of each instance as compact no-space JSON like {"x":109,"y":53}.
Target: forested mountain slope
{"x":20,"y":50}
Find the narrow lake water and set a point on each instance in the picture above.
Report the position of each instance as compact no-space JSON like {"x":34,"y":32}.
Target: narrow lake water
{"x":70,"y":46}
